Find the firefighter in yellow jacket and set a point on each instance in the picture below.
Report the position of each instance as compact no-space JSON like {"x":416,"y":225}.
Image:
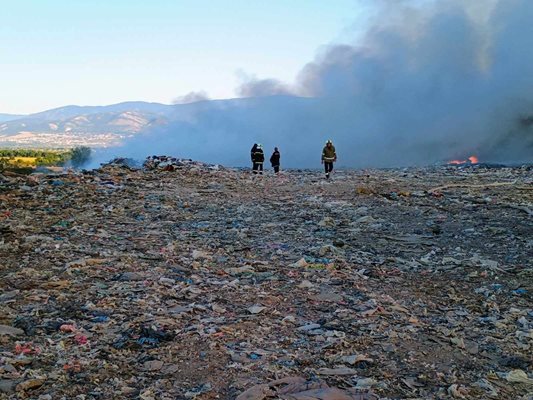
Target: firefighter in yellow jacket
{"x":329,"y":156}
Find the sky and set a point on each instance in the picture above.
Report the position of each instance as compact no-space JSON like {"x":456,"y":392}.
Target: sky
{"x":61,"y":52}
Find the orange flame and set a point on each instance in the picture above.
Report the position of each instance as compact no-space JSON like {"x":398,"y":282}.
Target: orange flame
{"x":470,"y":160}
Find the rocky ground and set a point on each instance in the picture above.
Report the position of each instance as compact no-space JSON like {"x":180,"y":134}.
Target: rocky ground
{"x":204,"y":282}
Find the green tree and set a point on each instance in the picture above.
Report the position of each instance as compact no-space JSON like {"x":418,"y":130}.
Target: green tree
{"x":80,"y":156}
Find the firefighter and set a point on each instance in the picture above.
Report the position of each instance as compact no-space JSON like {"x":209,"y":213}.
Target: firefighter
{"x":252,"y":152}
{"x":329,"y":156}
{"x":258,"y":158}
{"x":274,"y":160}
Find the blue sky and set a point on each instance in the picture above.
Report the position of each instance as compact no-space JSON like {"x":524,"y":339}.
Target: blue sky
{"x":93,"y":52}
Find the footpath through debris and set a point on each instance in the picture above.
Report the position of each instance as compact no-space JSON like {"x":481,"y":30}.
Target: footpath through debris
{"x":181,"y":280}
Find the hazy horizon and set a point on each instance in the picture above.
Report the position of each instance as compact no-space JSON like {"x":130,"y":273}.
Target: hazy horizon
{"x":59,"y":53}
{"x":406,"y":82}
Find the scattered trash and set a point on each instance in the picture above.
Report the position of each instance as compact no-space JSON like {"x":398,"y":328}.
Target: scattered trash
{"x":298,"y":388}
{"x":518,"y":376}
{"x":198,"y":390}
{"x":29,"y":384}
{"x":457,"y":392}
{"x":256,"y":309}
{"x":10,"y":331}
{"x":180,"y":279}
{"x":337,"y":371}
{"x":67,"y":328}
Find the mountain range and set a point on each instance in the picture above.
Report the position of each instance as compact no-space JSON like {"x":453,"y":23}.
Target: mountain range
{"x":9,"y":117}
{"x":118,"y":119}
{"x":223,"y":131}
{"x":197,"y":130}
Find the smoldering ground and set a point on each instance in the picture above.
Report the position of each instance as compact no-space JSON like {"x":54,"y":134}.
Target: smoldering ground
{"x":424,"y":84}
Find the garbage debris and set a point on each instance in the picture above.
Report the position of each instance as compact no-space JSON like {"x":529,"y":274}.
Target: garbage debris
{"x":179,"y":279}
{"x":297,"y":388}
{"x":166,"y":163}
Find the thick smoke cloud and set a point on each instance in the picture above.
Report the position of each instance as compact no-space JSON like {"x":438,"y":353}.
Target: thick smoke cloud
{"x":424,"y":85}
{"x":438,"y":85}
{"x":263,"y":87}
{"x":191,"y":97}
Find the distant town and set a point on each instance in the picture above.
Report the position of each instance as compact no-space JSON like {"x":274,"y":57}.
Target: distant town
{"x":47,"y":140}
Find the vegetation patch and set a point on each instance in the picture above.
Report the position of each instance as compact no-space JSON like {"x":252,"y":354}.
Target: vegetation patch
{"x":13,"y":159}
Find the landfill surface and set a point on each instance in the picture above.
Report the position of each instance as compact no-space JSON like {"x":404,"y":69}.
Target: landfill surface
{"x":181,"y":280}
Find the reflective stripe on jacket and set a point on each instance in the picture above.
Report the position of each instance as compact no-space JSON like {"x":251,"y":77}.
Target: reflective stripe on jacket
{"x":329,"y":154}
{"x":258,"y":156}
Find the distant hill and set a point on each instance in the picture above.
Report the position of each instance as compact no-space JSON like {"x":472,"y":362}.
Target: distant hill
{"x":118,"y":118}
{"x":114,"y":125}
{"x":223,"y":131}
{"x":95,"y":126}
{"x":9,"y":117}
{"x":140,"y":107}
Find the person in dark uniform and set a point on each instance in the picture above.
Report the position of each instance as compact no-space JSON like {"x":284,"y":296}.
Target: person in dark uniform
{"x":274,"y":160}
{"x":258,"y":158}
{"x":252,"y":152}
{"x":329,"y":156}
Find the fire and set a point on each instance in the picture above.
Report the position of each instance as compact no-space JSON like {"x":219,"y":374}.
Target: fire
{"x":469,"y":160}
